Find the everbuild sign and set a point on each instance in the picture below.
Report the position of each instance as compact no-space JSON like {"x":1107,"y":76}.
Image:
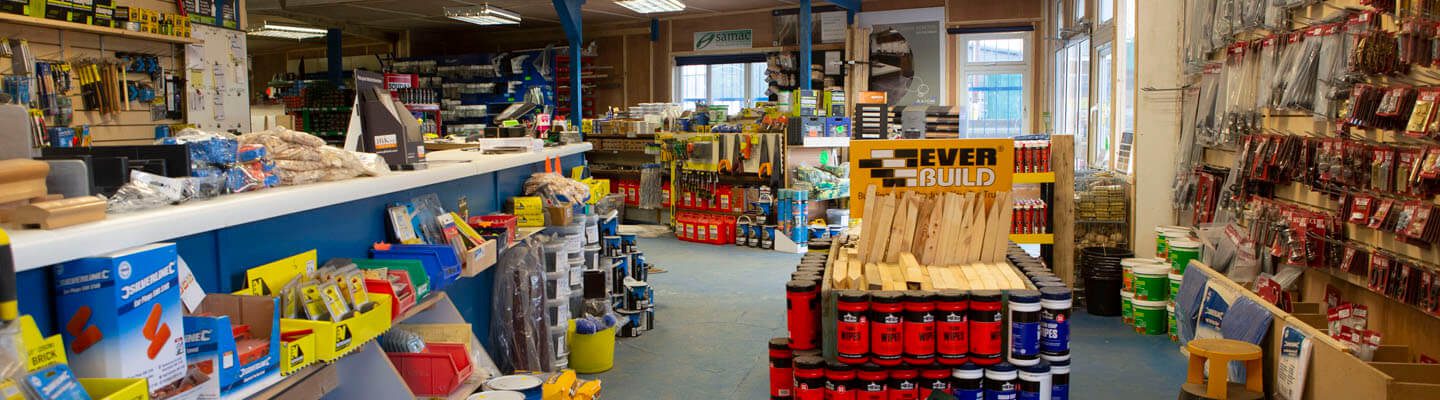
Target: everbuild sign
{"x":929,"y":166}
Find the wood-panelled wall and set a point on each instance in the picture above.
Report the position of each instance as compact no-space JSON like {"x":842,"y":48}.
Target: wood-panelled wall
{"x":124,"y":127}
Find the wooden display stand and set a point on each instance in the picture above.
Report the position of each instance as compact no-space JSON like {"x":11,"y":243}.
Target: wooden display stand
{"x":1334,"y":372}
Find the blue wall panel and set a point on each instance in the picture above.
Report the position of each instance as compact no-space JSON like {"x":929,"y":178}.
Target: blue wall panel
{"x":219,"y":258}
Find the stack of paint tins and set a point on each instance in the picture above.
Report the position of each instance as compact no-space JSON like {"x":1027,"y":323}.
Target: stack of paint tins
{"x":628,"y":281}
{"x":791,"y":212}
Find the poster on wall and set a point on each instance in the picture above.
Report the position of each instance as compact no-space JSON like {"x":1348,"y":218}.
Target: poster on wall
{"x":929,"y":166}
{"x":906,"y":50}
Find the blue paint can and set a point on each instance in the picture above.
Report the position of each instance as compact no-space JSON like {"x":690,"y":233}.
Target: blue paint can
{"x":620,"y":268}
{"x":628,"y":243}
{"x":610,"y":226}
{"x":528,"y":385}
{"x":756,"y":233}
{"x":742,"y":232}
{"x":613,"y":246}
{"x":639,"y":270}
{"x":1024,"y":327}
{"x":767,"y":237}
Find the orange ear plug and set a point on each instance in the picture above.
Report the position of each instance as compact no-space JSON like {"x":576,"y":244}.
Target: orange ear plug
{"x":76,"y":325}
{"x":152,"y":321}
{"x":157,"y":342}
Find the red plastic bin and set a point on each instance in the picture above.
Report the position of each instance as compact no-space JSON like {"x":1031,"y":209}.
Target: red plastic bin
{"x":437,"y":371}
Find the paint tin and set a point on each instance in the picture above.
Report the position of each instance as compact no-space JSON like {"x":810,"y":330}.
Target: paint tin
{"x":742,"y":232}
{"x":1151,"y":282}
{"x":637,"y":295}
{"x":528,"y":385}
{"x":620,"y":268}
{"x":612,"y":246}
{"x":1181,"y":252}
{"x":1055,"y":306}
{"x":968,"y":382}
{"x":767,"y":237}
{"x":629,"y":323}
{"x":1173,"y":324}
{"x":753,"y":238}
{"x":648,"y":317}
{"x":1150,"y":317}
{"x":628,"y":243}
{"x":638,"y":269}
{"x":497,"y":395}
{"x":1127,"y":308}
{"x":610,"y":226}
{"x":782,"y":378}
{"x":1025,"y":319}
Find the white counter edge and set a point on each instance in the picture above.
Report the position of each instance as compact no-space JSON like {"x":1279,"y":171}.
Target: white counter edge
{"x":35,"y":248}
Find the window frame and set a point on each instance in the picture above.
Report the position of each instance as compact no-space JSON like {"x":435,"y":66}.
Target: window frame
{"x":1025,"y":68}
{"x":749,"y":95}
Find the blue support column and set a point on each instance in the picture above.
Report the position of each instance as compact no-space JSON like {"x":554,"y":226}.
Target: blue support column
{"x":803,"y":67}
{"x":569,"y":13}
{"x":333,"y":55}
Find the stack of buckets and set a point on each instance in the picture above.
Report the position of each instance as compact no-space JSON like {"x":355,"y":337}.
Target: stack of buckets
{"x":628,"y":279}
{"x":564,"y":290}
{"x":1147,"y":300}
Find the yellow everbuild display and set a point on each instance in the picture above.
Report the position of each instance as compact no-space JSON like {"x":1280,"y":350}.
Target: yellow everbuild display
{"x":929,"y":166}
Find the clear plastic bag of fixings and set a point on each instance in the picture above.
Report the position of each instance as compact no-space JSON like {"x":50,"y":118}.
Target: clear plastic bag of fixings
{"x":146,"y":191}
{"x":651,"y":193}
{"x":1222,"y":28}
{"x":1330,"y":73}
{"x":1197,"y":34}
{"x":1269,"y":57}
{"x":1183,"y":188}
{"x":518,"y":334}
{"x":1207,"y":120}
{"x":1299,"y":92}
{"x":614,"y":202}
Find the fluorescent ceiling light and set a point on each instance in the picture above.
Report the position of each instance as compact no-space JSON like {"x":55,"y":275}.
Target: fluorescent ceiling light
{"x":483,"y":15}
{"x":652,"y":6}
{"x":286,"y":32}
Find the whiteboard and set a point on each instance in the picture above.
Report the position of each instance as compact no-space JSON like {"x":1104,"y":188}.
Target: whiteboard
{"x":217,"y":80}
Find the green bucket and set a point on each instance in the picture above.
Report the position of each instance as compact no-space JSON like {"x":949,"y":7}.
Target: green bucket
{"x":1181,"y":252}
{"x":1127,"y":268}
{"x":1126,"y":309}
{"x":1152,"y":282}
{"x":1174,"y":323}
{"x":1150,"y":317}
{"x":1175,"y":280}
{"x":1163,"y":235}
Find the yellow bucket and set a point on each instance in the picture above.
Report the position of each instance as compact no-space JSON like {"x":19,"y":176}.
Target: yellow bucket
{"x":591,"y":353}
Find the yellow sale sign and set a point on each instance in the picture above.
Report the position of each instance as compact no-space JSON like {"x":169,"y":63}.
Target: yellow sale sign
{"x":929,"y":166}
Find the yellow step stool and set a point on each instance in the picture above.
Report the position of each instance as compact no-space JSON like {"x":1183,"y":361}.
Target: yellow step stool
{"x":1220,"y":352}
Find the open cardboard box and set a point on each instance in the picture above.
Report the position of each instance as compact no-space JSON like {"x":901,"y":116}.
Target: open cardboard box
{"x":1334,"y":372}
{"x":217,"y":355}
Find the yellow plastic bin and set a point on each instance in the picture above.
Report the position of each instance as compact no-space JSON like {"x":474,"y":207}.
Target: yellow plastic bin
{"x":115,"y":388}
{"x":591,"y":353}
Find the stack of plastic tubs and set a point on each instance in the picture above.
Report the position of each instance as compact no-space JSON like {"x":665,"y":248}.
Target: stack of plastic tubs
{"x":557,"y":297}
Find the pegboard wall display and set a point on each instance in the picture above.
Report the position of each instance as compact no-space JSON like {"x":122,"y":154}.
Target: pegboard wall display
{"x":217,"y":80}
{"x":146,"y":63}
{"x":1314,"y":129}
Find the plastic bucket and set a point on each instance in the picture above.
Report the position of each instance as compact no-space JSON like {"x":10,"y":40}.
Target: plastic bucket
{"x":1127,"y":268}
{"x":1174,"y":324}
{"x":1181,"y":252}
{"x":1102,"y":296}
{"x":1175,"y":280}
{"x":1150,"y":317}
{"x":592,"y":353}
{"x":1127,"y":309}
{"x":1152,"y":282}
{"x":1163,"y":234}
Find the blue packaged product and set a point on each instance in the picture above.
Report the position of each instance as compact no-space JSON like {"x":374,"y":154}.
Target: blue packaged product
{"x":121,"y":315}
{"x":969,"y":383}
{"x":1060,"y":380}
{"x":1054,"y":320}
{"x":1035,"y":382}
{"x":56,"y":382}
{"x":1000,"y":382}
{"x":1024,"y":327}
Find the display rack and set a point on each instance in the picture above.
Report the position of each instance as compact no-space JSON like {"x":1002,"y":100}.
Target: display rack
{"x":1057,"y":189}
{"x":95,"y":29}
{"x":564,"y":89}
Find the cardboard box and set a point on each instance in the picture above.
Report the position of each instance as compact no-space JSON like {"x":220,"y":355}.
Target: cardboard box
{"x":121,"y":315}
{"x":558,"y":216}
{"x":215,"y":352}
{"x":528,"y":220}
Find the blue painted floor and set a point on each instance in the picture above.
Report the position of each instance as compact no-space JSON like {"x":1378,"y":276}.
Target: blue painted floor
{"x":719,"y":305}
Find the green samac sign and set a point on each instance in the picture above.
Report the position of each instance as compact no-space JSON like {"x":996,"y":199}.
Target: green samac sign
{"x":731,"y":39}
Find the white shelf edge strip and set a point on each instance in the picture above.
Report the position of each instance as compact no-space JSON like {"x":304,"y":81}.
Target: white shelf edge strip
{"x":39,"y":248}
